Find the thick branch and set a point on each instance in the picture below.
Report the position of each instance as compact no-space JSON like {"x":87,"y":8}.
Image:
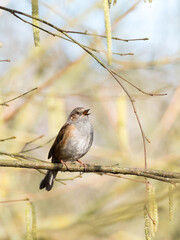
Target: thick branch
{"x":164,"y":176}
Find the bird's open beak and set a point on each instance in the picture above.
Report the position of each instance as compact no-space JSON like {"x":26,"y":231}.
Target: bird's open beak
{"x":86,"y":112}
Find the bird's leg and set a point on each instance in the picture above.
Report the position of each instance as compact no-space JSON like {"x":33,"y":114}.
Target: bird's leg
{"x":64,"y":163}
{"x":81,"y":163}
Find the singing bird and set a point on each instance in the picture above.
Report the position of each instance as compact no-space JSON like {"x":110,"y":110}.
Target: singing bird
{"x":72,"y":143}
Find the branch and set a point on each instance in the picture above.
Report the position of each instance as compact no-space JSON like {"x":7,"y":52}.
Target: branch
{"x":5,"y":139}
{"x":103,"y":36}
{"x":5,"y":60}
{"x":57,"y":35}
{"x":13,"y":11}
{"x":6,"y":102}
{"x":171,"y":177}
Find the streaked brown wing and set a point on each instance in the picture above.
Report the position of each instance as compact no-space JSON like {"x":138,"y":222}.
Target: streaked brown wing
{"x":61,"y":138}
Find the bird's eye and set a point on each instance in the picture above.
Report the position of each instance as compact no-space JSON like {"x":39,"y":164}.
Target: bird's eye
{"x":78,"y":113}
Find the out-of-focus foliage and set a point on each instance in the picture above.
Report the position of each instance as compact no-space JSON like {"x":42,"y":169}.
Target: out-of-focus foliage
{"x":108,"y":30}
{"x":151,"y":213}
{"x":35,"y":14}
{"x":30,"y":221}
{"x":94,"y":206}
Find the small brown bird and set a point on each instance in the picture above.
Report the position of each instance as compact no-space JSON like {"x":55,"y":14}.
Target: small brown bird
{"x":72,"y":142}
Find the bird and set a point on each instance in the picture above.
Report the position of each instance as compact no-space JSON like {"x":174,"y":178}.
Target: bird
{"x":72,"y":143}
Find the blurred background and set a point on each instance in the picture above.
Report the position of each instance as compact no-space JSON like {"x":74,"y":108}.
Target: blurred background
{"x":90,"y":206}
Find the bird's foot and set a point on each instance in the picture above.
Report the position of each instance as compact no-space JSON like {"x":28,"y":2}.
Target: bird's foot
{"x":65,"y":164}
{"x":81,"y":163}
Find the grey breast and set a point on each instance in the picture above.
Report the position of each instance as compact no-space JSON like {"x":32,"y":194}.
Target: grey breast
{"x":80,"y":141}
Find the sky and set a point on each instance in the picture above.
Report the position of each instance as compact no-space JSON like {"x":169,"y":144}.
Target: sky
{"x":159,"y":21}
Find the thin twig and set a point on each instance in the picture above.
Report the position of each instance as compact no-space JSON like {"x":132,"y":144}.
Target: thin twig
{"x":5,"y":60}
{"x":27,"y":143}
{"x":9,"y":138}
{"x":57,"y":35}
{"x":6,"y":102}
{"x":12,"y":11}
{"x":120,"y":176}
{"x":37,"y":147}
{"x":70,"y":179}
{"x":57,"y":179}
{"x":103,"y":36}
{"x":123,"y":54}
{"x":16,"y":200}
{"x":133,"y":85}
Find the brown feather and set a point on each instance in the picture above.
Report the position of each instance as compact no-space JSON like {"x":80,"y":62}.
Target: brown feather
{"x":61,"y":139}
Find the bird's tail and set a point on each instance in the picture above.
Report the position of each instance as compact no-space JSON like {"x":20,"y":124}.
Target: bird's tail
{"x":48,"y":180}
